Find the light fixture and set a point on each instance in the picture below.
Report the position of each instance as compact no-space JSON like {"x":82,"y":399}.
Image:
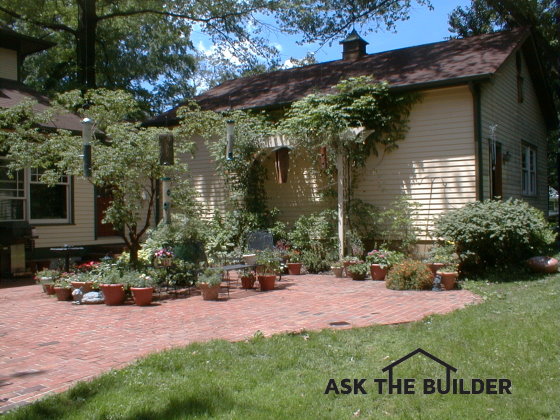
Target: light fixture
{"x":87,"y":131}
{"x":230,"y":125}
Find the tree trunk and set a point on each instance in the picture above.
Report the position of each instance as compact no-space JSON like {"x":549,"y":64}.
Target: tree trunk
{"x":87,"y":27}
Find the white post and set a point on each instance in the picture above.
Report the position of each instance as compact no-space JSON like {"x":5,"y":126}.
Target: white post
{"x":341,"y":184}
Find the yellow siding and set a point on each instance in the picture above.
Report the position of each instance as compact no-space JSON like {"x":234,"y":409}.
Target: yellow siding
{"x":205,"y":180}
{"x":82,"y":231}
{"x":516,"y":123}
{"x":8,"y":64}
{"x":434,"y":165}
{"x":300,"y":195}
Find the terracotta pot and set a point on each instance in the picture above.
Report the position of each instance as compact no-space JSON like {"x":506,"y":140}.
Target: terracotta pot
{"x":48,"y":288}
{"x":448,"y":279}
{"x":356,"y":276}
{"x":86,"y":286}
{"x":113,"y":293}
{"x":435,"y":267}
{"x":338,"y":272}
{"x":346,"y":265}
{"x":294,"y":269}
{"x":209,"y":292}
{"x":543,"y":264}
{"x":247,"y":282}
{"x":377,"y":273}
{"x":63,"y":293}
{"x":142,"y":295}
{"x":267,"y":282}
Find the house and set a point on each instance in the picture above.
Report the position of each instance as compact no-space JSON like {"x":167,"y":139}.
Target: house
{"x":479,"y":130}
{"x":33,"y":217}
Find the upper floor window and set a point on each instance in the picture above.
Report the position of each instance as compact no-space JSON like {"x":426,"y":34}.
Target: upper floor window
{"x":24,"y":197}
{"x":528,"y":170}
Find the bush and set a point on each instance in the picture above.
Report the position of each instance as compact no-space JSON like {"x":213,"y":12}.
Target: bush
{"x":409,"y":275}
{"x":495,"y":233}
{"x":316,"y":237}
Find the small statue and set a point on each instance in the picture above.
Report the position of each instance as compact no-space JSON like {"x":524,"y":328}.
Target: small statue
{"x":437,"y":283}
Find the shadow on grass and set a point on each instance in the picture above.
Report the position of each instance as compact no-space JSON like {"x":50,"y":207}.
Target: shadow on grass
{"x":507,"y":275}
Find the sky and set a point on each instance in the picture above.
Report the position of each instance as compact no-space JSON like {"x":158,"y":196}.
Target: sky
{"x":423,"y":27}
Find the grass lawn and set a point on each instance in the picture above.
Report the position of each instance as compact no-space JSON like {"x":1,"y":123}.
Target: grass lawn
{"x":514,"y":334}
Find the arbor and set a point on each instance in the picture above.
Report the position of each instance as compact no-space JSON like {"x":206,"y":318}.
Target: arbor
{"x":135,"y":44}
{"x":125,"y":156}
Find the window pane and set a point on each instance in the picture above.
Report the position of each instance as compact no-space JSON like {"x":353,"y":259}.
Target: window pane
{"x":48,"y":202}
{"x":11,"y":209}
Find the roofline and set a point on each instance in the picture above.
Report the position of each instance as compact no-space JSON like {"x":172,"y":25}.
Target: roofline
{"x":40,"y":44}
{"x":413,"y":353}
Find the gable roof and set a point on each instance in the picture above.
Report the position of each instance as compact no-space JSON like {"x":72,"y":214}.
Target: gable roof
{"x":443,"y":63}
{"x":24,"y":44}
{"x":12,"y":93}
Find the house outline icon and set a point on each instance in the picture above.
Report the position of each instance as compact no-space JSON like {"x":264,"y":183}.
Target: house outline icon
{"x":448,"y":367}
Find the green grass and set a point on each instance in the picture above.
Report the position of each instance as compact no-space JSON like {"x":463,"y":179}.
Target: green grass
{"x":514,"y":334}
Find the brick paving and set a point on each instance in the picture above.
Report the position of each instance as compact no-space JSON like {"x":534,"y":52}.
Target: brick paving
{"x":46,"y":345}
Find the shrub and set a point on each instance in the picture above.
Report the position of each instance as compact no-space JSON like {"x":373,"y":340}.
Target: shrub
{"x":315,"y":235}
{"x":493,"y":233}
{"x":409,"y":275}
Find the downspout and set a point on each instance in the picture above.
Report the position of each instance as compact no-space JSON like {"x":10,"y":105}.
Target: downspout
{"x":475,"y":90}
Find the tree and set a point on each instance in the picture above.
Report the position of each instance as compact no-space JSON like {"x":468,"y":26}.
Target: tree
{"x":135,"y":44}
{"x":125,"y":156}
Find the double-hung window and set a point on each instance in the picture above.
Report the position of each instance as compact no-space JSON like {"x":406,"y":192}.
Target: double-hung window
{"x":23,"y":197}
{"x":528,"y":170}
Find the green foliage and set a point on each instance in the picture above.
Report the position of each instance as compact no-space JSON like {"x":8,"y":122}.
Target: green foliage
{"x":409,"y":275}
{"x":268,"y":262}
{"x":396,"y":228}
{"x":493,"y":232}
{"x":360,"y":269}
{"x":354,"y":121}
{"x":315,"y":236}
{"x":125,"y":159}
{"x":444,"y":253}
{"x":210,"y":277}
{"x":384,"y":257}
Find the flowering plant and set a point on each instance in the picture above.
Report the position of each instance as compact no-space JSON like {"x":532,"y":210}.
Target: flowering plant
{"x":163,"y":253}
{"x":88,"y":266}
{"x":383,"y":257}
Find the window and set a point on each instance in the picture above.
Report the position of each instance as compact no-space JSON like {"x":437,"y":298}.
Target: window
{"x":529,"y":170}
{"x":24,"y":197}
{"x":12,"y":194}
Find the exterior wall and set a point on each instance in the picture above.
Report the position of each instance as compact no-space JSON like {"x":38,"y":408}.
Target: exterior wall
{"x":301,"y":194}
{"x":8,"y":64}
{"x":435,"y":165}
{"x":517,"y":123}
{"x":82,"y":231}
{"x":205,"y":180}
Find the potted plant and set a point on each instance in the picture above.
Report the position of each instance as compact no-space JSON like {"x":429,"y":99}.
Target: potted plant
{"x":358,"y":271}
{"x":82,"y":281}
{"x":439,"y":256}
{"x":47,"y":278}
{"x":294,"y":264}
{"x":163,"y":257}
{"x":449,"y":274}
{"x":112,"y":287}
{"x":62,"y":289}
{"x":348,"y":261}
{"x":142,"y":288}
{"x":247,"y":279}
{"x":268,"y":265}
{"x":380,"y":261}
{"x":209,"y":282}
{"x":338,"y":269}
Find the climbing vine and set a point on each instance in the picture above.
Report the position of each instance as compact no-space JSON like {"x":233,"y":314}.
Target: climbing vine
{"x":354,"y":120}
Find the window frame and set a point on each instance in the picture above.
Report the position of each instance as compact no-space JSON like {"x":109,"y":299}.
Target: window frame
{"x":528,"y":170}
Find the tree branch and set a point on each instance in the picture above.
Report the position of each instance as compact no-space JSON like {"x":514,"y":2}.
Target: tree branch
{"x":176,"y":15}
{"x":53,"y":26}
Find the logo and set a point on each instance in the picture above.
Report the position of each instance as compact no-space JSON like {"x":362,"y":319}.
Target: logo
{"x":392,"y":384}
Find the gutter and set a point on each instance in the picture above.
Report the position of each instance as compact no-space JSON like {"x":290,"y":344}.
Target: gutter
{"x":477,"y":114}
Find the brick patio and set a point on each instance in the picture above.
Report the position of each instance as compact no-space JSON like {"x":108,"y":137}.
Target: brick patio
{"x":46,"y":345}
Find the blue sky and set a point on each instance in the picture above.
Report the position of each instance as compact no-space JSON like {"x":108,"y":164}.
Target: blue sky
{"x":424,"y":26}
